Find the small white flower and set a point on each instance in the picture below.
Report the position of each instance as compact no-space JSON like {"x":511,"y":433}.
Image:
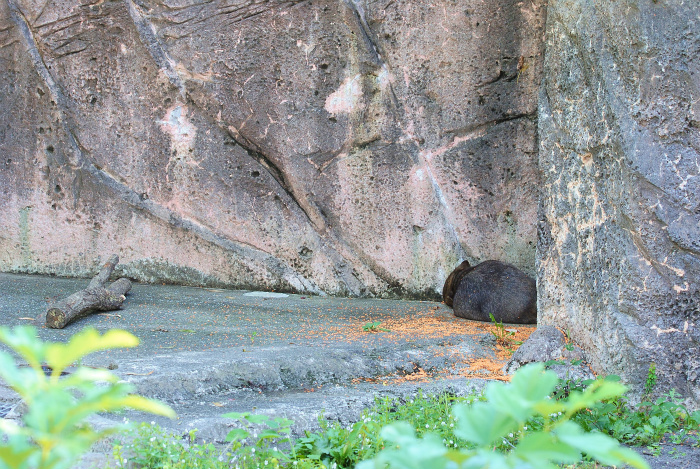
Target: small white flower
{"x":427,"y":426}
{"x":153,"y":422}
{"x":510,"y":435}
{"x":266,"y":462}
{"x":252,"y":450}
{"x":524,"y":428}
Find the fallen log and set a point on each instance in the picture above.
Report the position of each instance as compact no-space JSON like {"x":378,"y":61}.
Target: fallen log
{"x":94,"y":298}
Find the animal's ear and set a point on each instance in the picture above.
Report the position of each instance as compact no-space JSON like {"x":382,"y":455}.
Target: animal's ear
{"x":464,"y":265}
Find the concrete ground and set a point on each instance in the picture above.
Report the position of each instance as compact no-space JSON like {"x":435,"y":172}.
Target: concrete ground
{"x":210,"y":351}
{"x":206,"y":351}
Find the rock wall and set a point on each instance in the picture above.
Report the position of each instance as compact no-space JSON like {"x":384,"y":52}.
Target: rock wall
{"x":619,"y":233}
{"x":347,"y":147}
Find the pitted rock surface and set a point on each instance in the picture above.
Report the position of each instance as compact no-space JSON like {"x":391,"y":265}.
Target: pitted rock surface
{"x":354,"y":148}
{"x":619,"y":234}
{"x":548,"y":345}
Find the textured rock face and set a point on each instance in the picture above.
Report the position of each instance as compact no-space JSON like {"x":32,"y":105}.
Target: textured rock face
{"x":619,"y":240}
{"x":358,"y":148}
{"x":548,"y":345}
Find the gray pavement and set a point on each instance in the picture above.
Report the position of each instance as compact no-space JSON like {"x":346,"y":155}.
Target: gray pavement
{"x":170,"y":319}
{"x":208,"y":351}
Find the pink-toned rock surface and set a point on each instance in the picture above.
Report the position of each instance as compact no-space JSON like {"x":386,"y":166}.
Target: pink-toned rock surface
{"x":352,"y":148}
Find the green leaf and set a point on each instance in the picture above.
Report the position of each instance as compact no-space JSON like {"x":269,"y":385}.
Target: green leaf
{"x":420,"y":454}
{"x":236,"y":415}
{"x":547,"y":407}
{"x":533,"y":383}
{"x":539,"y":446}
{"x":599,"y":390}
{"x":483,"y":458}
{"x":482,"y":423}
{"x":146,"y":405}
{"x":375,"y":463}
{"x":59,"y":356}
{"x":280,"y":423}
{"x":237,"y":434}
{"x":54,"y":424}
{"x":23,"y":380}
{"x":16,"y":457}
{"x":601,"y":447}
{"x":255,"y":418}
{"x":400,"y":433}
{"x":24,"y":341}
{"x":269,"y":434}
{"x":88,"y":375}
{"x":528,"y":387}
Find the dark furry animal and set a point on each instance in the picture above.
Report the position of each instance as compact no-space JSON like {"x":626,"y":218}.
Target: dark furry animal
{"x":491,"y":287}
{"x":450,"y":287}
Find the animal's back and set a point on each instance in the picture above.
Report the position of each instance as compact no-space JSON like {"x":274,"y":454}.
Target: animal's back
{"x":496,"y":288}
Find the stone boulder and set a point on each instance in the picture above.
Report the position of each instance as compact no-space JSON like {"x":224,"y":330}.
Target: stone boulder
{"x":548,"y":345}
{"x":619,"y":232}
{"x":340,"y":147}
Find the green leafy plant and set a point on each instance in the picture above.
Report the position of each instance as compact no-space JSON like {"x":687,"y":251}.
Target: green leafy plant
{"x":275,"y":431}
{"x":601,"y":411}
{"x":503,"y":336}
{"x":148,"y":446}
{"x":507,"y":410}
{"x":335,"y":445}
{"x":647,"y":424}
{"x":374,"y":327}
{"x":650,"y":383}
{"x":345,"y":446}
{"x":54,"y":433}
